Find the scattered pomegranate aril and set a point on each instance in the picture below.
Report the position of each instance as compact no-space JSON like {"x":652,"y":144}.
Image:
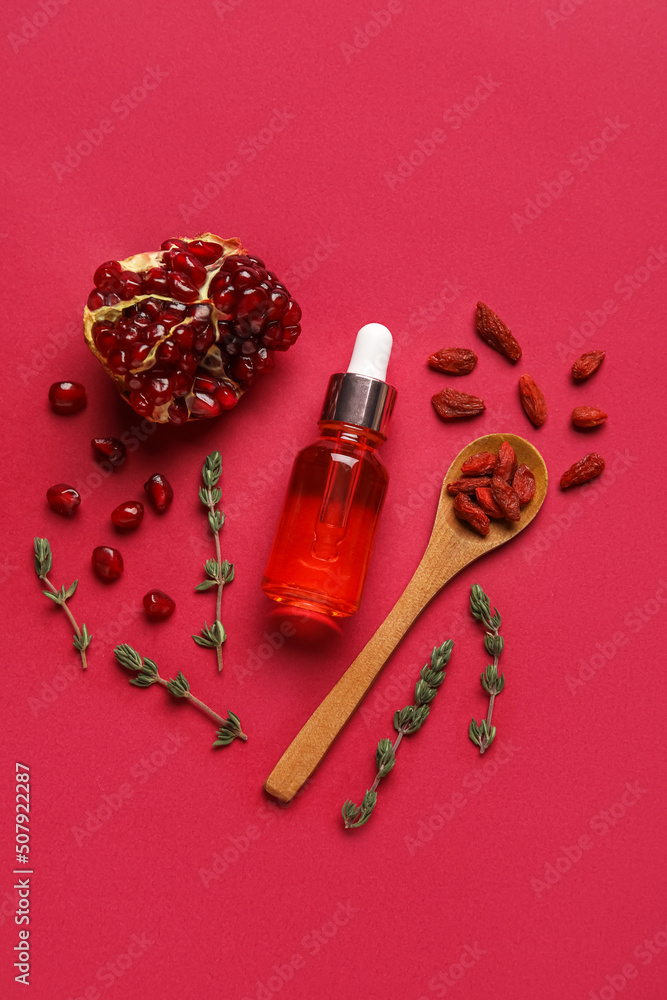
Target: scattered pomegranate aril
{"x":158,"y":605}
{"x":107,"y":563}
{"x":63,"y":499}
{"x":67,"y":397}
{"x":127,"y":516}
{"x":159,"y":492}
{"x":159,"y":320}
{"x":109,"y":450}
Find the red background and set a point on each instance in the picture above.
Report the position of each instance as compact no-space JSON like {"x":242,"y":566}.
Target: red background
{"x":456,"y":854}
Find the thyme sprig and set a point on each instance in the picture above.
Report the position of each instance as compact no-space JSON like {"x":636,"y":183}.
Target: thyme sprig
{"x":483,"y":734}
{"x":218,"y":572}
{"x":43,"y":562}
{"x":406,"y":722}
{"x":147,"y":674}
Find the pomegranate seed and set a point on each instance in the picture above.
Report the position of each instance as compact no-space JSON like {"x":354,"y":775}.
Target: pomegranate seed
{"x":189,"y":266}
{"x":119,"y":362}
{"x":292,"y":314}
{"x":178,"y":412}
{"x":127,"y":516}
{"x":204,"y":251}
{"x":205,"y":383}
{"x":226,"y":397}
{"x":204,"y":405}
{"x":106,"y":276}
{"x":63,"y":499}
{"x":156,"y":281}
{"x":165,"y":327}
{"x":67,"y":397}
{"x":130,"y":284}
{"x":158,"y":605}
{"x":182,"y":288}
{"x":141,"y":403}
{"x":109,"y":450}
{"x":159,"y":491}
{"x":107,"y":562}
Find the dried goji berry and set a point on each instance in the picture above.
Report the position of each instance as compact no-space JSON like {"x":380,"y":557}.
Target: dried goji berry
{"x":481,"y":464}
{"x":495,"y":333}
{"x":506,"y":462}
{"x":587,"y":364}
{"x":532,"y":400}
{"x":450,"y":404}
{"x":453,"y":360}
{"x":586,"y":468}
{"x":466,"y":510}
{"x":467,"y":485}
{"x":488,"y":504}
{"x":523,"y":484}
{"x":506,"y":498}
{"x":588,"y":416}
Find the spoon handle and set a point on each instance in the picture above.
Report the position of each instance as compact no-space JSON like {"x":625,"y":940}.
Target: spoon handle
{"x":312,"y":742}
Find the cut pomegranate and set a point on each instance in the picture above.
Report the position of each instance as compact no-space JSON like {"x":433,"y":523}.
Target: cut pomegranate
{"x":158,"y":605}
{"x":109,"y":450}
{"x":67,"y":397}
{"x":196,"y":310}
{"x":127,"y":516}
{"x":63,"y":499}
{"x":107,"y":563}
{"x":159,"y":491}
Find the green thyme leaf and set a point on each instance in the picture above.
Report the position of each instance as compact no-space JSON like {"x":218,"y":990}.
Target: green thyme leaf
{"x":43,"y":557}
{"x":178,"y":686}
{"x":206,"y":585}
{"x":71,"y":590}
{"x":128,"y":657}
{"x":483,"y":734}
{"x":56,"y":598}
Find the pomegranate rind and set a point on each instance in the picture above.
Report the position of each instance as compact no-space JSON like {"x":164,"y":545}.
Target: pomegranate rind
{"x":142,"y":262}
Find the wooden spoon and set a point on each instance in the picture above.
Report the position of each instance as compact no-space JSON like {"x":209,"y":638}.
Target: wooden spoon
{"x":452,"y":546}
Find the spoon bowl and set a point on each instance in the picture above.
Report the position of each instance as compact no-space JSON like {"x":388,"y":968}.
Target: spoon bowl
{"x":452,"y":546}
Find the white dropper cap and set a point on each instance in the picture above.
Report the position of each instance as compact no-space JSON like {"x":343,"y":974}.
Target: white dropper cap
{"x":371,"y":352}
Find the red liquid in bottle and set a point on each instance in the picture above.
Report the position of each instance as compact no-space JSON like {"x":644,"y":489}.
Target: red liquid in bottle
{"x":325,"y":536}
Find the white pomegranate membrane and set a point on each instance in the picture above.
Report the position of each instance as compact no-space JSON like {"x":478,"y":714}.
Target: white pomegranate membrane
{"x":186,"y":330}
